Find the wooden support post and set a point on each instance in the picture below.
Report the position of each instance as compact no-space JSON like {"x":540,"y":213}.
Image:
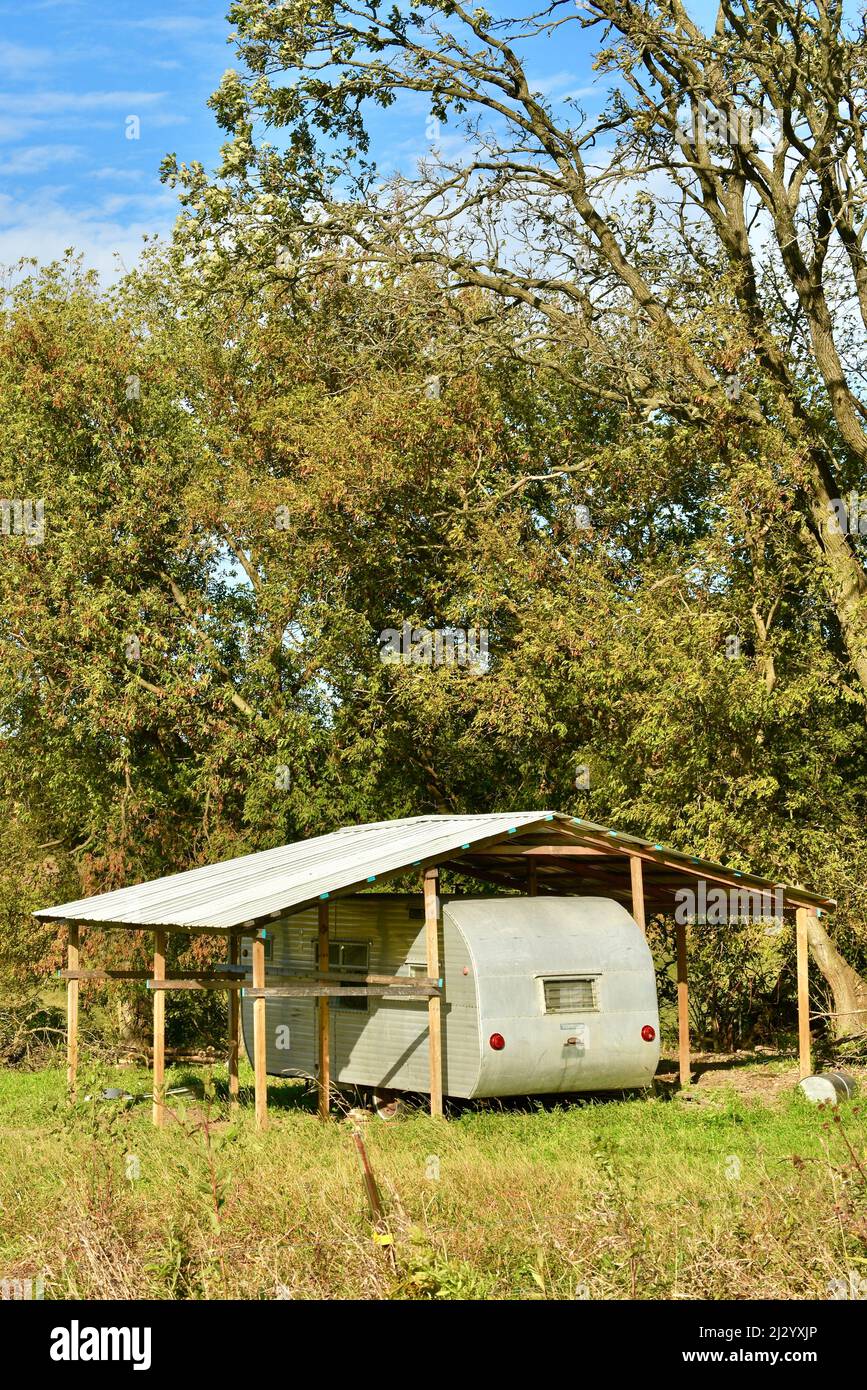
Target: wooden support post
{"x":324,"y":1020}
{"x":72,"y":1013}
{"x":682,"y":1007}
{"x":803,"y":956}
{"x":434,"y":1004}
{"x":259,"y":1041}
{"x":234,"y":1023}
{"x":159,"y":1116}
{"x":637,"y":876}
{"x":532,"y":879}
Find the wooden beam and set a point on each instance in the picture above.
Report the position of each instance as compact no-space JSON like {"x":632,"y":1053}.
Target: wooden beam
{"x":309,"y":981}
{"x":159,"y":1006}
{"x":259,"y":1040}
{"x":221,"y":975}
{"x":734,"y":879}
{"x":216,"y":982}
{"x":434,"y":1006}
{"x":484,"y":873}
{"x":72,"y":1012}
{"x":557,"y":871}
{"x":805,"y":1063}
{"x":234,"y":1024}
{"x":519,"y":851}
{"x":636,"y":875}
{"x":314,"y":989}
{"x":324,"y":1019}
{"x":532,"y":880}
{"x":349,"y":978}
{"x":682,"y":1007}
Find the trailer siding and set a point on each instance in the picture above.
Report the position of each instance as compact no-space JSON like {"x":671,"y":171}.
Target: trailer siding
{"x":385,"y":1045}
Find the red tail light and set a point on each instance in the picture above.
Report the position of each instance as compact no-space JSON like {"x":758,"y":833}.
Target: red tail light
{"x":648,"y":1032}
{"x":497,"y":1041}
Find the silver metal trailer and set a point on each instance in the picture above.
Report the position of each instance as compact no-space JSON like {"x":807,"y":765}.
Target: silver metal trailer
{"x":540,"y":995}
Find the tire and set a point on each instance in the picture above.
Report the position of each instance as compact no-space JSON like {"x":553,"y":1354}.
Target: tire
{"x":386,"y":1104}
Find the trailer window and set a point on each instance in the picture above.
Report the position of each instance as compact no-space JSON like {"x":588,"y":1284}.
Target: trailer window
{"x":353,"y":957}
{"x":570,"y":995}
{"x":349,"y":955}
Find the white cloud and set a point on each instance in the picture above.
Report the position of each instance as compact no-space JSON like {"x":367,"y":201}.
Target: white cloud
{"x":32,"y":159}
{"x":17,"y":60}
{"x":113,"y":228}
{"x":111,"y":171}
{"x":176,"y":24}
{"x":52,"y":103}
{"x":18,"y":129}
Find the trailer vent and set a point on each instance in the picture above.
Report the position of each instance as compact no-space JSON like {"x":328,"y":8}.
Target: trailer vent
{"x":570,"y":996}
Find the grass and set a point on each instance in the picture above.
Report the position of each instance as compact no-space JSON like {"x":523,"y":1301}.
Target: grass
{"x":638,"y":1198}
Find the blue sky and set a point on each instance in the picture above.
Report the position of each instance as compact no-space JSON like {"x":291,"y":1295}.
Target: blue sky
{"x":74,"y":73}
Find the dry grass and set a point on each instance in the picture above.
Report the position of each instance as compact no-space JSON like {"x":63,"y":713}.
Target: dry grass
{"x":718,"y":1197}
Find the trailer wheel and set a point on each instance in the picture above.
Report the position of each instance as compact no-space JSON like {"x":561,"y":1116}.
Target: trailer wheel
{"x":386,"y":1104}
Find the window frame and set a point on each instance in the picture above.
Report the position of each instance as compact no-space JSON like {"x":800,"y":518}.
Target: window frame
{"x":584,"y":976}
{"x":355,"y":1004}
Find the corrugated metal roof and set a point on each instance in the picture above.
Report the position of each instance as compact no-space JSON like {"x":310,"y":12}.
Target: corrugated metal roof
{"x":255,"y":886}
{"x":241,"y":890}
{"x":658,"y":857}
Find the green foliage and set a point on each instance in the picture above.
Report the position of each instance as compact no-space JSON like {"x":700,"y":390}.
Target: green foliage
{"x":742,"y":989}
{"x":283,"y":489}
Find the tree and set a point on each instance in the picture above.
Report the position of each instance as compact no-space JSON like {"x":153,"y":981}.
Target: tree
{"x":300,"y":471}
{"x":694,"y":273}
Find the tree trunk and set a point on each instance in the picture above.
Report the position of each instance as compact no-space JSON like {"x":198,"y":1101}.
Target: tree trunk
{"x":846,"y":582}
{"x":847,"y":987}
{"x":130,"y":1014}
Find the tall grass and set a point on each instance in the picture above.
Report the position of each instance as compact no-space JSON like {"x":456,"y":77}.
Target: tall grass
{"x":639,"y":1198}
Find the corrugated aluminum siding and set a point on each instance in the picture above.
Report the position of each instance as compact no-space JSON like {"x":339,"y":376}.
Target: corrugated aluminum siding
{"x":387,"y":1044}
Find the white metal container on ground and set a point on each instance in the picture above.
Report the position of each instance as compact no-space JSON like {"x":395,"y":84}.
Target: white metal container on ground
{"x":566,"y":984}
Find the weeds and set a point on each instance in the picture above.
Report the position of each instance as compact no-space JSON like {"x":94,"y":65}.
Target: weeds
{"x":623,"y":1199}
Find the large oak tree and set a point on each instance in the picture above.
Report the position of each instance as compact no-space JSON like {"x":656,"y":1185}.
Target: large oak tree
{"x":699,"y":245}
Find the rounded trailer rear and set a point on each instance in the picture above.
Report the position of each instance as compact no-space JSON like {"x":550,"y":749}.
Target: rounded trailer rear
{"x":565,"y":994}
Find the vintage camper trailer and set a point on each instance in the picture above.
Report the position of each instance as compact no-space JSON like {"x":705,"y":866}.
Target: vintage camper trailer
{"x":540,"y":995}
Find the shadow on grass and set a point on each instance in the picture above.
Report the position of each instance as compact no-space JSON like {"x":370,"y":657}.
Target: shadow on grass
{"x":289,"y":1094}
{"x":668,"y":1066}
{"x":454,"y":1107}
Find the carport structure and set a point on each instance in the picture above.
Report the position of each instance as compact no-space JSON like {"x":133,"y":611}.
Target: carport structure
{"x":534,"y":852}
